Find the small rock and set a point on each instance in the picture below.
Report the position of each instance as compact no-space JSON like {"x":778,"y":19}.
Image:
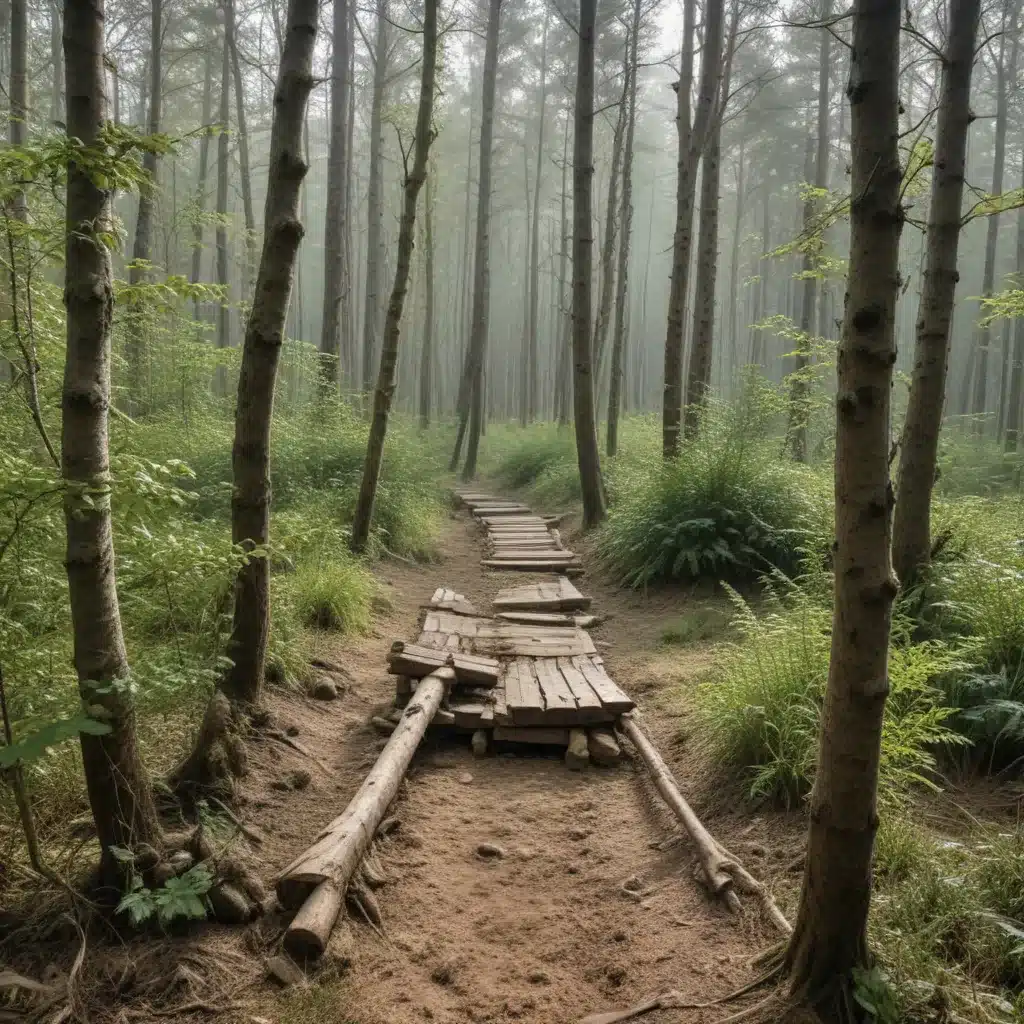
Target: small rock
{"x":539,"y":978}
{"x":291,"y":730}
{"x":577,"y":756}
{"x":479,"y":743}
{"x":604,"y":747}
{"x":465,"y":778}
{"x":443,"y":974}
{"x":619,"y":935}
{"x":325,"y":689}
{"x":757,"y":850}
{"x":181,"y":861}
{"x":578,"y":834}
{"x":490,"y":851}
{"x":572,"y":869}
{"x":382,"y":725}
{"x":230,"y":905}
{"x":285,"y":972}
{"x":633,"y":884}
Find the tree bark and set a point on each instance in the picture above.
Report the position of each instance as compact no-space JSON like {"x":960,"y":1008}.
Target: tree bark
{"x":691,"y":146}
{"x":922,"y":425}
{"x":563,"y":325}
{"x":1015,"y":397}
{"x":757,"y":339}
{"x":204,"y":164}
{"x":335,"y":221}
{"x":799,"y":392}
{"x":414,"y":180}
{"x":427,"y":352}
{"x":224,"y":118}
{"x":830,"y":938}
{"x":734,"y":257}
{"x":587,"y":454}
{"x":57,"y":94}
{"x":119,"y":790}
{"x":245,"y":177}
{"x":979,"y":400}
{"x":622,"y":288}
{"x":532,"y":346}
{"x":470,"y":401}
{"x":375,"y":199}
{"x":261,"y":352}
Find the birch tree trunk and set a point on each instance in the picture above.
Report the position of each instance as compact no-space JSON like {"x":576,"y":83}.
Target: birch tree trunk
{"x":622,"y":288}
{"x":911,"y":543}
{"x":204,"y":164}
{"x":119,"y":790}
{"x":830,"y":938}
{"x":471,"y":399}
{"x":414,"y":180}
{"x":584,"y":417}
{"x":799,"y":392}
{"x":261,"y":352}
{"x":375,"y":200}
{"x":334,"y":219}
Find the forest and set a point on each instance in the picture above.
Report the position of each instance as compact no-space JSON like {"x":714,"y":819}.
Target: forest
{"x":303,"y":305}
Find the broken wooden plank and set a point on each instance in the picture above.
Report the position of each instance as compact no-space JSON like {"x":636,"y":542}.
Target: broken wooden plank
{"x":557,"y":595}
{"x":558,"y":698}
{"x":589,"y":703}
{"x":537,"y":618}
{"x":530,"y":709}
{"x":416,"y":661}
{"x":612,"y":698}
{"x":543,"y":736}
{"x":501,"y":715}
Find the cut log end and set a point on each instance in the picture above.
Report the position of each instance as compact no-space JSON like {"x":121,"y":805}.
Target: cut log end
{"x":307,"y":936}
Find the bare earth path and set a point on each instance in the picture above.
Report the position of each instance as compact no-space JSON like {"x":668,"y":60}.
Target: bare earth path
{"x":547,"y":932}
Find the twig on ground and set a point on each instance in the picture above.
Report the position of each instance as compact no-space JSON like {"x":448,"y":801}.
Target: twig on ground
{"x":250,"y":833}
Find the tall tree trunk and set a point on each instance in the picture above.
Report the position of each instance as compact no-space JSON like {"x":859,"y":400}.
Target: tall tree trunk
{"x":1015,"y":397}
{"x":563,"y":324}
{"x":414,"y":180}
{"x":261,"y":353}
{"x":57,"y":94}
{"x":615,"y":388}
{"x":604,"y":310}
{"x":243,"y":148}
{"x":464,"y":312}
{"x":829,"y":941}
{"x":691,"y":146}
{"x":979,"y":401}
{"x":334,"y":221}
{"x":799,"y":392}
{"x":524,"y":363}
{"x":757,"y":338}
{"x":919,"y":444}
{"x":471,"y":385}
{"x":204,"y":164}
{"x":224,"y":117}
{"x":734,"y":257}
{"x":375,"y":199}
{"x":532,"y":381}
{"x":119,"y":790}
{"x":427,"y":356}
{"x":587,"y":454}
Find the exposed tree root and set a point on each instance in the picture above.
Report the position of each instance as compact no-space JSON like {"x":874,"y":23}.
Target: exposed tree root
{"x":217,"y":757}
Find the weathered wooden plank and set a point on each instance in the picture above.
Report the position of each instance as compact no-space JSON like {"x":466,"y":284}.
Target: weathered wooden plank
{"x":530,"y":709}
{"x":513,"y":691}
{"x":523,"y":564}
{"x":556,"y":595}
{"x":469,"y":715}
{"x":587,"y":700}
{"x":432,"y":624}
{"x":539,"y":735}
{"x":537,"y":618}
{"x":416,"y":661}
{"x":451,"y":622}
{"x":558,"y":698}
{"x":434,"y":640}
{"x":501,"y":715}
{"x":612,"y":698}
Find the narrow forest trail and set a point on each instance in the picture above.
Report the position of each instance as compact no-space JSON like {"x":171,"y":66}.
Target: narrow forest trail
{"x":547,"y":931}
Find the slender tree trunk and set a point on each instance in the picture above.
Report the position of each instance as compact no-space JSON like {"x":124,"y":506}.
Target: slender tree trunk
{"x":204,"y":163}
{"x":604,"y":310}
{"x":261,"y":353}
{"x":691,"y":146}
{"x":464,"y":313}
{"x":979,"y":401}
{"x":920,"y":441}
{"x":427,"y":353}
{"x":472,"y":382}
{"x":57,"y":94}
{"x":414,"y":180}
{"x":523,"y":395}
{"x":243,"y":148}
{"x":375,"y":200}
{"x":350,"y":359}
{"x":615,"y":388}
{"x":335,"y":222}
{"x":1015,"y":397}
{"x":757,"y":340}
{"x":734,"y":257}
{"x":532,"y":346}
{"x":799,"y":392}
{"x":587,"y":453}
{"x":224,"y":117}
{"x":563,"y":326}
{"x":119,"y":790}
{"x":829,"y":941}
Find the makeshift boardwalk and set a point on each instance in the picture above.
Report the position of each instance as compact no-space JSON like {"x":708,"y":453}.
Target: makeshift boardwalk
{"x":529,"y":674}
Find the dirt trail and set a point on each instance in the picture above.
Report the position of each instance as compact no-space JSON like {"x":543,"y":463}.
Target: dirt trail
{"x":546,"y":932}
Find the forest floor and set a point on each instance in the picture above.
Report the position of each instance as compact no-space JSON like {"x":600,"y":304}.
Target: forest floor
{"x":546,"y":933}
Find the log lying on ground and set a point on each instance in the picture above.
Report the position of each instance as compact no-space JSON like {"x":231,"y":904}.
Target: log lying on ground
{"x":315,"y":882}
{"x":722,"y":871}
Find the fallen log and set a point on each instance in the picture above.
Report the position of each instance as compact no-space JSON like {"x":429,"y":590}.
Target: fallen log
{"x":316,"y":881}
{"x":722,"y":871}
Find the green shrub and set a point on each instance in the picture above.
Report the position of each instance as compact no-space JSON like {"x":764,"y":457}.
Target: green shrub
{"x":335,"y":594}
{"x":524,"y":458}
{"x":762,"y":706}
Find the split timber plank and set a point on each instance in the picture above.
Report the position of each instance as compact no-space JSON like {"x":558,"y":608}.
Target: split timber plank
{"x":450,"y":622}
{"x":523,"y":543}
{"x":536,"y":554}
{"x":468,"y":716}
{"x":537,"y":618}
{"x":435,"y":641}
{"x":587,"y":700}
{"x":557,"y":595}
{"x":548,"y":737}
{"x":445,"y":599}
{"x":530,"y":709}
{"x":416,"y":661}
{"x":501,"y":715}
{"x":558,"y":698}
{"x":431,"y":623}
{"x":612,"y":698}
{"x":528,"y":647}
